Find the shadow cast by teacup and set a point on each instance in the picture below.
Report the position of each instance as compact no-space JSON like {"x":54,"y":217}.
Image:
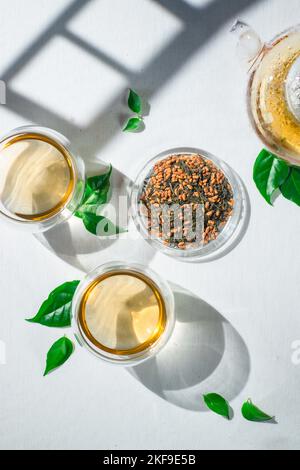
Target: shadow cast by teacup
{"x":71,"y":242}
{"x":205,"y":354}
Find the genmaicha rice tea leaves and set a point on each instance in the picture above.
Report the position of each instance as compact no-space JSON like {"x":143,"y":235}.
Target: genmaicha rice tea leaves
{"x":193,"y":185}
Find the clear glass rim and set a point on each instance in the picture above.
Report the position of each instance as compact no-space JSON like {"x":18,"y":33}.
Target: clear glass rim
{"x":285,"y":32}
{"x":212,"y":248}
{"x":132,"y":359}
{"x":75,"y":197}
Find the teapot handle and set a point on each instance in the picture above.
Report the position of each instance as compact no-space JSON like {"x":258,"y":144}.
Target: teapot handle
{"x":249,"y":44}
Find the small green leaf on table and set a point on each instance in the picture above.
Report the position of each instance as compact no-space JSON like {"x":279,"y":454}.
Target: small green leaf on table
{"x":56,"y":310}
{"x":252,"y":413}
{"x":133,"y":124}
{"x":58,"y":354}
{"x":99,"y":182}
{"x":269,"y":174}
{"x":290,"y":189}
{"x":217,"y":404}
{"x":95,"y":193}
{"x":134,"y":102}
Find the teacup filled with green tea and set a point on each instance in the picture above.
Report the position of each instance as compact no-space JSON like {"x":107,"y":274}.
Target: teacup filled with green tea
{"x":123,"y":313}
{"x":39,"y":178}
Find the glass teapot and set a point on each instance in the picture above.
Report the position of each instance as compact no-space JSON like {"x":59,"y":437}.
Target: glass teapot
{"x":273,"y":93}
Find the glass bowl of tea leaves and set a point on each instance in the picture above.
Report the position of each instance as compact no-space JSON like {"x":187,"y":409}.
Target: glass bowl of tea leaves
{"x":188,"y":204}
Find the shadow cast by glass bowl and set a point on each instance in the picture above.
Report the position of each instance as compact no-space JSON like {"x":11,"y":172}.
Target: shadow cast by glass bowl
{"x":72,"y":243}
{"x":205,"y":354}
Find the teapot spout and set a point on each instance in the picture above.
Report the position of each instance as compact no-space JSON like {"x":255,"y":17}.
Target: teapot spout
{"x":249,"y":45}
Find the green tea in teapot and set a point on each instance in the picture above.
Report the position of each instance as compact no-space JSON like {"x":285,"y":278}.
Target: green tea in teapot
{"x":274,"y":88}
{"x":275,"y":96}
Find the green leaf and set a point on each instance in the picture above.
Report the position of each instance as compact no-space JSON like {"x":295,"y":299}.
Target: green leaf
{"x":58,"y":354}
{"x":134,"y":102}
{"x":269,"y":173}
{"x":93,"y":203}
{"x":99,"y":181}
{"x":252,"y":413}
{"x":217,"y":404}
{"x":291,"y":187}
{"x":56,"y":310}
{"x":133,"y":124}
{"x":100,"y":225}
{"x":96,"y":193}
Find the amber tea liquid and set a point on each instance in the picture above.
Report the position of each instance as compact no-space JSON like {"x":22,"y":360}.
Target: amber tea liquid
{"x":36,"y":176}
{"x":122,"y":312}
{"x":273,"y":97}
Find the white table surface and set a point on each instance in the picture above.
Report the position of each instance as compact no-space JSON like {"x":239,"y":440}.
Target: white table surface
{"x":67,"y":65}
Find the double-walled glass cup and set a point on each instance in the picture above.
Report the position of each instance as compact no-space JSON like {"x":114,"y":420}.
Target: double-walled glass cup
{"x":128,"y":318}
{"x":41,"y":178}
{"x":201,"y":252}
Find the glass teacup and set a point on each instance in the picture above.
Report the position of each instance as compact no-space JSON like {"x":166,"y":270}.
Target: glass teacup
{"x":41,"y":179}
{"x":123,"y":313}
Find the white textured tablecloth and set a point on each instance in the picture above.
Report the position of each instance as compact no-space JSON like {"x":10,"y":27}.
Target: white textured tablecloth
{"x":67,"y":64}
